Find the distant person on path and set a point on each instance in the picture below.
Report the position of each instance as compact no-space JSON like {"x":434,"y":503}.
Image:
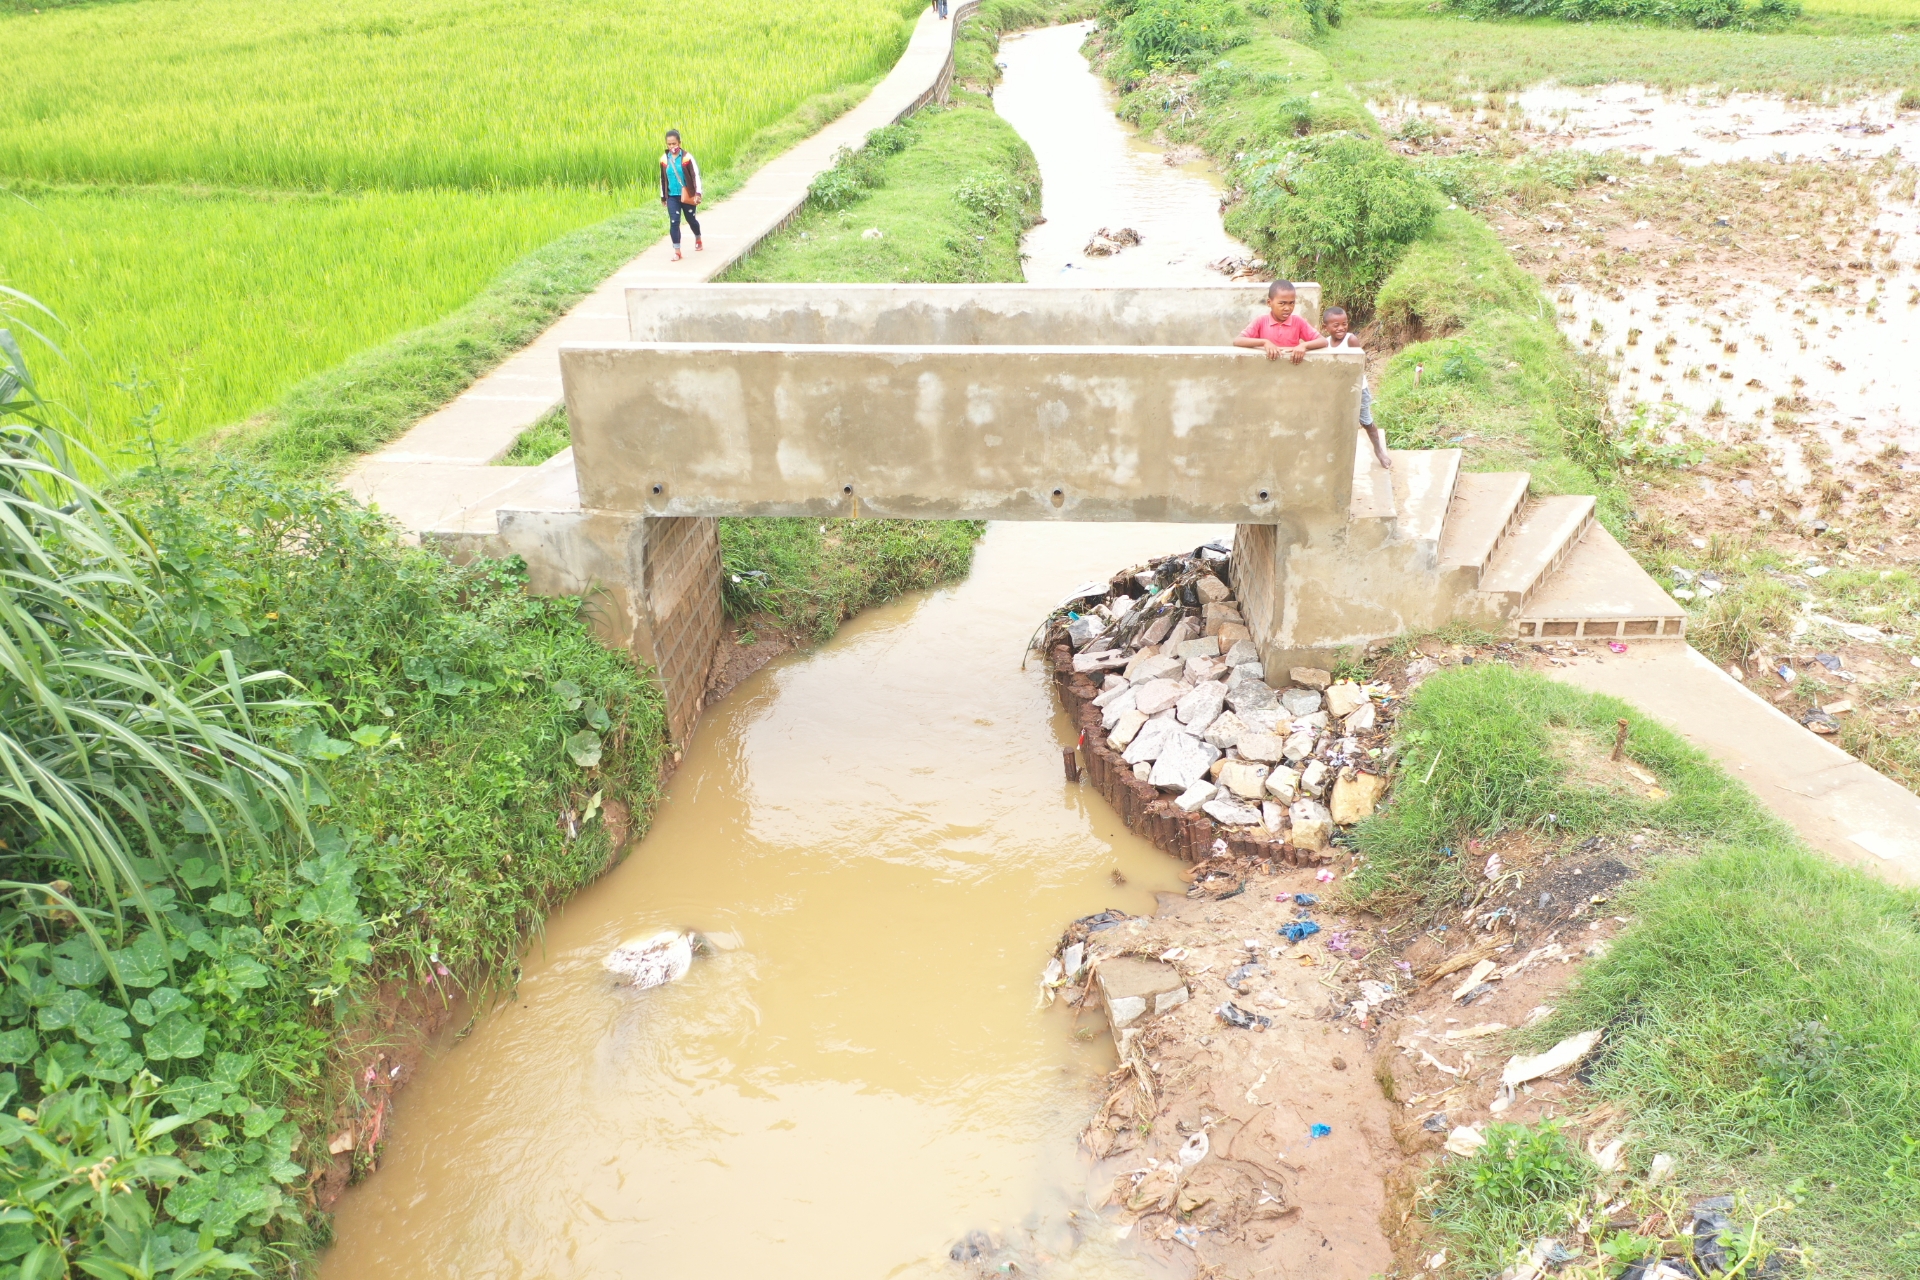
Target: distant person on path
{"x":1339,"y":339}
{"x":940,"y":7}
{"x":1280,"y":329}
{"x":680,"y":191}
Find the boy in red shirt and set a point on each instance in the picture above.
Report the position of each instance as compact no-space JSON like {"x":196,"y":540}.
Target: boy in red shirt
{"x":1280,"y":329}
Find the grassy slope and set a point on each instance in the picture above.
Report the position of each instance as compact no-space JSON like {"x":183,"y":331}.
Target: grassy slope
{"x":389,"y":193}
{"x":1733,"y":951}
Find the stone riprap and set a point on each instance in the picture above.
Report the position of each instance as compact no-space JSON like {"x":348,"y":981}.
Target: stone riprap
{"x":1189,"y":738}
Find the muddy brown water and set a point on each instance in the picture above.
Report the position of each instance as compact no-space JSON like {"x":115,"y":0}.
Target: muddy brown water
{"x":884,"y":826}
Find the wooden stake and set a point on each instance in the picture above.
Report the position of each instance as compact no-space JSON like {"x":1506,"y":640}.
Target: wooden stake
{"x":1619,"y":739}
{"x":1072,"y":763}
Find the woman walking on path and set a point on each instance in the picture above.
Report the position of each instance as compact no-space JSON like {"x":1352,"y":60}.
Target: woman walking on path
{"x":680,"y":191}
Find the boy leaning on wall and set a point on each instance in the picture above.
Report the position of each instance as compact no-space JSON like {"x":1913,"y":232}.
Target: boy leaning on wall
{"x":1340,"y":338}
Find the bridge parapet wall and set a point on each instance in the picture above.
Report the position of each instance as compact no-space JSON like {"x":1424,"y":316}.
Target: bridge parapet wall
{"x":953,"y":314}
{"x":1176,"y":434}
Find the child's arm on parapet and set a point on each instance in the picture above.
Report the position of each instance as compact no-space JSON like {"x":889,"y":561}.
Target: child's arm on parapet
{"x":1273,"y":349}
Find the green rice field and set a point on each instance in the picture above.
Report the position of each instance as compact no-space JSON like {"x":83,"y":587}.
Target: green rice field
{"x":227,"y":196}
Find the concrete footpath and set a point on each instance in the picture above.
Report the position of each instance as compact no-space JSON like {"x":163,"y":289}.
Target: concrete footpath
{"x":1837,"y":803}
{"x":441,"y":467}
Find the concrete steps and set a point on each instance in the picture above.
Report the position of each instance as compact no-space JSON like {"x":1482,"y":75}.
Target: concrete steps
{"x":1600,"y":591}
{"x":1484,"y":506}
{"x":1534,"y":546}
{"x":1373,"y":485}
{"x":1423,"y":486}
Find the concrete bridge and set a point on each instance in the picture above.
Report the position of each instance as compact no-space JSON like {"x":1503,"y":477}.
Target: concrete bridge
{"x":1022,"y":402}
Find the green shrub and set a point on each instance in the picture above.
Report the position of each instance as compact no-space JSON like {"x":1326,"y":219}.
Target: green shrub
{"x":1678,"y":13}
{"x":1178,"y":33}
{"x":1337,"y":208}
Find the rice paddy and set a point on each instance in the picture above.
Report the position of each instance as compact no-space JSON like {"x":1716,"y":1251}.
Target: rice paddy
{"x":230,"y":195}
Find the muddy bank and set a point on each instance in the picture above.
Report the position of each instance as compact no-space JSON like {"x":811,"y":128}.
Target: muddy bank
{"x":1295,"y":1067}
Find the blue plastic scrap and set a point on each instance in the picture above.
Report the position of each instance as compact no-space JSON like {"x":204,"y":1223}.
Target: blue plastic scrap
{"x":1298,"y":931}
{"x":1319,"y":1131}
{"x":1305,"y":899}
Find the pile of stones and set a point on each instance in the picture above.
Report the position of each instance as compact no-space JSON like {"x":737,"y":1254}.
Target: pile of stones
{"x":1180,"y":720}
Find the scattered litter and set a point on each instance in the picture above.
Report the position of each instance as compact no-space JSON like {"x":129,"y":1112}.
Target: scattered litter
{"x":1559,"y":1058}
{"x":1326,"y":873}
{"x":1188,"y":1236}
{"x":1195,"y":1149}
{"x":1465,"y":1140}
{"x":1820,"y":722}
{"x":1174,"y":953}
{"x":1607,"y":1157}
{"x":1298,"y":931}
{"x":1661,"y":1169}
{"x":1479,"y":975}
{"x":653,"y":962}
{"x":1234,"y":1016}
{"x":1318,"y":1131}
{"x":1306,"y":899}
{"x":1830,"y":661}
{"x":1616,"y":646}
{"x":1435,"y":1123}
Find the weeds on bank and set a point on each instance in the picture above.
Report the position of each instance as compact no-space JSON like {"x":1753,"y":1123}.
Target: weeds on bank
{"x":1757,"y":1010}
{"x":812,"y":576}
{"x":539,"y":442}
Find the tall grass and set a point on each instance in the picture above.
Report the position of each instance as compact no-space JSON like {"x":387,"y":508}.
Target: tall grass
{"x":435,"y":93}
{"x":1759,"y":1011}
{"x":222,"y":300}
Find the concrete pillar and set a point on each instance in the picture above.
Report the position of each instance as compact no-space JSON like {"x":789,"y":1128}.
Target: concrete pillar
{"x":650,"y":585}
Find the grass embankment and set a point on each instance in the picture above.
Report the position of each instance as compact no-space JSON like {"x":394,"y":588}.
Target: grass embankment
{"x":324,"y":181}
{"x":1758,"y":1010}
{"x":1477,"y":361}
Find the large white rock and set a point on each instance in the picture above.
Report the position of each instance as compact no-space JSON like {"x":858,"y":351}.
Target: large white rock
{"x":1225,"y":730}
{"x":1183,"y":761}
{"x":1313,"y":778}
{"x":1312,"y":824}
{"x":1151,"y":740}
{"x":1141,"y":670}
{"x":1199,"y":707}
{"x":1272,"y":816}
{"x":1242,"y":652}
{"x":1344,"y":699}
{"x":1298,"y":747}
{"x":1231,"y":814}
{"x":1245,"y":780}
{"x":1300,"y":702}
{"x":1210,"y":589}
{"x":1114,"y":687}
{"x":1263,"y":747}
{"x":1158,"y":695}
{"x":1261,"y":720}
{"x":1120,"y":706}
{"x":1195,"y":796}
{"x":1283,"y":784}
{"x":1361,"y":720}
{"x":1123,"y":732}
{"x":1245,"y":694}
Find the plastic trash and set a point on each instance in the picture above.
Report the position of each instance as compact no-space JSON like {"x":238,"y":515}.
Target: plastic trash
{"x":1298,"y":931}
{"x":1306,"y":899}
{"x":1319,"y":1131}
{"x":1188,"y":1236}
{"x":1710,"y":1223}
{"x":974,"y":1244}
{"x":1828,"y":660}
{"x":1239,"y":976}
{"x":654,"y":961}
{"x":1519,"y":1070}
{"x":1616,"y":646}
{"x":1195,"y":1149}
{"x":1324,"y":874}
{"x":1234,"y":1016}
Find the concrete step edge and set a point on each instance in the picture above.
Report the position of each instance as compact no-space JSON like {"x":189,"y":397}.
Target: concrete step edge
{"x":1535,"y":546}
{"x":1506,"y":492}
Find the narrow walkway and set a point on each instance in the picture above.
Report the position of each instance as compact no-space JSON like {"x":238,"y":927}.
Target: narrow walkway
{"x":1837,"y":803}
{"x":439,"y":477}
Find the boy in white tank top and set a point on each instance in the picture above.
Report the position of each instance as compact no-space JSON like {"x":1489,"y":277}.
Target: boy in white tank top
{"x":1339,"y":338}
